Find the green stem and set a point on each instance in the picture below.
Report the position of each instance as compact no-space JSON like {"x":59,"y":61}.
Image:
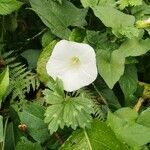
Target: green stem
{"x":100,"y":94}
{"x":3,"y":144}
{"x":38,"y":34}
{"x":88,"y":141}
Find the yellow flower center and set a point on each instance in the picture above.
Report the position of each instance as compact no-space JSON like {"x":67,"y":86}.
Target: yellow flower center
{"x":75,"y":61}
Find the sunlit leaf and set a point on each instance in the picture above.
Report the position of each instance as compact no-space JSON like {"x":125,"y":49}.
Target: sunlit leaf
{"x":4,"y":82}
{"x":123,"y":123}
{"x":67,"y":111}
{"x":8,"y":6}
{"x":59,"y":17}
{"x":98,"y":137}
{"x":110,"y":66}
{"x":42,"y":60}
{"x":128,"y":83}
{"x":120,"y":22}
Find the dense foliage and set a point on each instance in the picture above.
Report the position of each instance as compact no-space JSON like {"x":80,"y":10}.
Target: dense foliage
{"x":112,"y":113}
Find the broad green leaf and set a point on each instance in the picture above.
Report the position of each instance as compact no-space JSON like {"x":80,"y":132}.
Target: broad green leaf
{"x":110,"y":66}
{"x":4,"y":82}
{"x":1,"y":129}
{"x":89,"y":3}
{"x":59,"y":1}
{"x":144,"y":118}
{"x":126,"y":3}
{"x":14,"y":128}
{"x":72,"y":112}
{"x":92,"y":3}
{"x":31,"y":55}
{"x":47,"y":38}
{"x":128,"y":83}
{"x":59,"y":88}
{"x":135,"y":47}
{"x":98,"y":137}
{"x":127,"y":114}
{"x":10,"y":138}
{"x":114,"y":62}
{"x":25,"y":144}
{"x":121,"y":23}
{"x":61,"y":111}
{"x":99,"y":40}
{"x":77,"y":35}
{"x":41,"y":64}
{"x":111,"y":98}
{"x":59,"y":17}
{"x":33,"y":115}
{"x":8,"y":6}
{"x":123,"y":123}
{"x":141,"y":12}
{"x":56,"y":90}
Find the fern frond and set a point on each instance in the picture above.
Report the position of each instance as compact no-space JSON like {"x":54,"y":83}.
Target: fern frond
{"x":100,"y":110}
{"x":22,"y":81}
{"x":8,"y":57}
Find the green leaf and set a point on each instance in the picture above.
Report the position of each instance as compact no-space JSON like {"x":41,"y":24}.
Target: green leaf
{"x":1,"y":130}
{"x":59,"y":88}
{"x":8,"y":6}
{"x":77,"y":35}
{"x":111,"y":98}
{"x":31,"y":55}
{"x":72,"y":112}
{"x":89,"y":3}
{"x":110,"y":66}
{"x":127,"y":114}
{"x":121,"y":24}
{"x":135,"y":47}
{"x":92,"y":3}
{"x":47,"y":38}
{"x":144,"y":118}
{"x":128,"y":83}
{"x":22,"y":81}
{"x":114,"y":61}
{"x":25,"y":144}
{"x":33,"y":115}
{"x":59,"y":17}
{"x":99,"y":40}
{"x":4,"y":82}
{"x":41,"y":64}
{"x":126,"y":3}
{"x":123,"y":123}
{"x":98,"y":137}
{"x":59,"y":1}
{"x":10,"y":138}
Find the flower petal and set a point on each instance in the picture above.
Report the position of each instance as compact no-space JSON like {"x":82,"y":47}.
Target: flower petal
{"x":76,"y":79}
{"x":73,"y":77}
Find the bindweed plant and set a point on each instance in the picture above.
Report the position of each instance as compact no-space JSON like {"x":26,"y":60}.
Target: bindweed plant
{"x":74,"y":74}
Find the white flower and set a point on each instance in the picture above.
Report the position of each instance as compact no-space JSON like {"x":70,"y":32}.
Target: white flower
{"x":74,"y":63}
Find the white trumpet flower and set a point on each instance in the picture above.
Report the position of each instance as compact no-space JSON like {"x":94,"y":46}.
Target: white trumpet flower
{"x":74,"y":63}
